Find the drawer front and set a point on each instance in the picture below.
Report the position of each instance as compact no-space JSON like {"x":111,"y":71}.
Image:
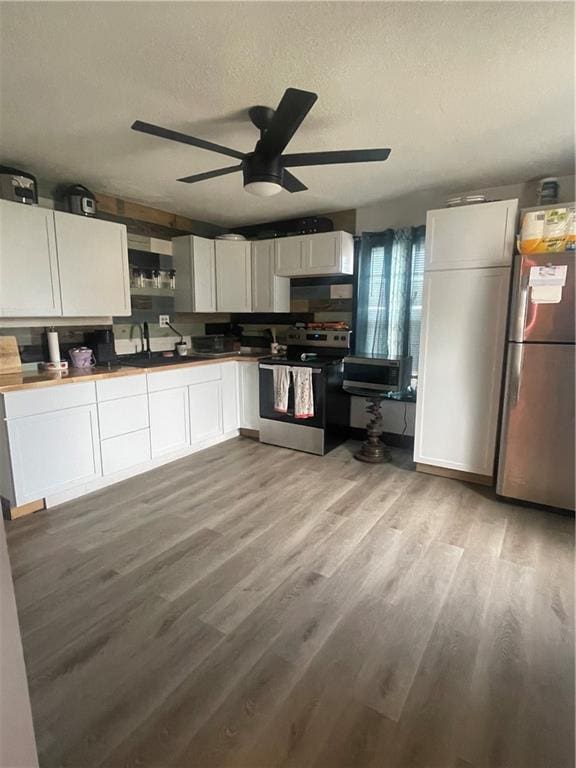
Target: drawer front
{"x":121,"y":386}
{"x":125,"y":451}
{"x":47,"y":399}
{"x":183,"y":377}
{"x":118,"y":417}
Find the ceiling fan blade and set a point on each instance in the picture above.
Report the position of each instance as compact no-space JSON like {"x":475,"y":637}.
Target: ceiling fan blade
{"x":210,"y":174}
{"x":291,"y":183}
{"x":330,"y":158}
{"x":183,"y":138}
{"x":293,"y":108}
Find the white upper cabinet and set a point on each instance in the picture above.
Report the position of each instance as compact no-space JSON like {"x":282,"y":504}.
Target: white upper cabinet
{"x":195,"y":265}
{"x":93,"y":263}
{"x":270,"y":293}
{"x":328,"y":253}
{"x":460,"y":369}
{"x":471,"y":236}
{"x":289,"y":256}
{"x":29,"y":285}
{"x":324,"y":253}
{"x":233,"y":276}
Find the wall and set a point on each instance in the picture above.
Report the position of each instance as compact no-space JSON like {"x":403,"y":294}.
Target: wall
{"x":17,"y":744}
{"x":410,"y":210}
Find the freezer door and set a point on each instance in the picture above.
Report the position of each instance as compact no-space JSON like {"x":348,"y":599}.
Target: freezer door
{"x":537,"y":438}
{"x":542,"y":322}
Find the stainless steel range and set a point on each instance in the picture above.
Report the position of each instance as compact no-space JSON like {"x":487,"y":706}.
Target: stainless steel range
{"x":322,"y":352}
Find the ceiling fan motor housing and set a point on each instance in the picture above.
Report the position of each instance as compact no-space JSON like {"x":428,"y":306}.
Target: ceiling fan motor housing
{"x":256,"y":167}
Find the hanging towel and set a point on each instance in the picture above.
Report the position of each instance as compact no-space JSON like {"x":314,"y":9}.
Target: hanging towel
{"x":281,"y":380}
{"x":303,"y":393}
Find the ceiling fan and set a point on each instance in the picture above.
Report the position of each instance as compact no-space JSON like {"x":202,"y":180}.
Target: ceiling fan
{"x":265,"y":170}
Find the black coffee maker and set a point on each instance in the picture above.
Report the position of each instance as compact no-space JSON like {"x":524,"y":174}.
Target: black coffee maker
{"x":102,"y":344}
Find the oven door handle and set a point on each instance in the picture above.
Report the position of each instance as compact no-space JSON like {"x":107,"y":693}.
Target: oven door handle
{"x":264,"y":367}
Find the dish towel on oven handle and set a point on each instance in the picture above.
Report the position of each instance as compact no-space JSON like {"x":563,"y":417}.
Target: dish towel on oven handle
{"x":303,"y":392}
{"x":281,"y":382}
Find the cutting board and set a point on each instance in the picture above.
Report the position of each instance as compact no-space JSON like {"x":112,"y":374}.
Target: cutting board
{"x":9,"y":355}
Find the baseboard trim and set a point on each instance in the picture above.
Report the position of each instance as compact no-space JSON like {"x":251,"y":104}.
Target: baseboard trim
{"x":12,"y":513}
{"x":455,"y":474}
{"x":253,"y":434}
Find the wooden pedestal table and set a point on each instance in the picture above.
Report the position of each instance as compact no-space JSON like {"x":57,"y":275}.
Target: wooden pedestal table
{"x":372,"y":450}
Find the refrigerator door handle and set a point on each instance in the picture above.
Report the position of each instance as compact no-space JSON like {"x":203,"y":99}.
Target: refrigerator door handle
{"x":519,"y":305}
{"x":516,"y":352}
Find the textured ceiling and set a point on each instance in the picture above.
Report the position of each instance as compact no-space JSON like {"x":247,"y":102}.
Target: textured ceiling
{"x":466,"y":94}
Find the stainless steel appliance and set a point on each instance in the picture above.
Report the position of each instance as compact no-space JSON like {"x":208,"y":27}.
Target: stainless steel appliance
{"x":18,"y":186}
{"x":536,"y":461}
{"x":323,"y":352}
{"x":80,"y":200}
{"x":102,"y":342}
{"x":382,"y":374}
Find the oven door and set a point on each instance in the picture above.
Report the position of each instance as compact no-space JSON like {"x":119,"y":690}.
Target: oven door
{"x":267,"y":398}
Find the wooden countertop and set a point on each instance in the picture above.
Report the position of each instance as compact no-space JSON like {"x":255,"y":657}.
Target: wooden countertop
{"x":13,"y":382}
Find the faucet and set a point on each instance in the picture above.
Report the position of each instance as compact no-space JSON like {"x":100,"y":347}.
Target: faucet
{"x":144,"y":336}
{"x":147,"y":337}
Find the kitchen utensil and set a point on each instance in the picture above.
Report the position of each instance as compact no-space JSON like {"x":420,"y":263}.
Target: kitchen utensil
{"x":53,"y":346}
{"x":80,"y":200}
{"x":82,"y":357}
{"x":9,"y":355}
{"x":18,"y":186}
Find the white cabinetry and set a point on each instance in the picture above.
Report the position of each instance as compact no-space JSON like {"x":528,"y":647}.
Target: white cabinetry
{"x":124,"y":422}
{"x":460,"y":371}
{"x":230,"y":397}
{"x":93,"y":263}
{"x":466,"y":280}
{"x":249,"y":396}
{"x":471,"y":236}
{"x":51,"y":447}
{"x":58,"y":264}
{"x":325,"y":253}
{"x":233,"y":276}
{"x":195,"y":265}
{"x":169,"y":421}
{"x":29,"y":285}
{"x":205,"y":410}
{"x":270,"y":293}
{"x":289,"y":256}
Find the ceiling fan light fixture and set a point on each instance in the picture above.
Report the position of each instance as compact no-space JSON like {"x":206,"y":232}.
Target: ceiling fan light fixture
{"x":263,"y":188}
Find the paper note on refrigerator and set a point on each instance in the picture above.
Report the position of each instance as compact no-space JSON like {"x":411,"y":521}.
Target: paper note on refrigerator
{"x":546,"y":283}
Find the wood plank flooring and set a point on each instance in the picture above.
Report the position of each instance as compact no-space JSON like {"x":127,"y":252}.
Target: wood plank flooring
{"x":254,"y":607}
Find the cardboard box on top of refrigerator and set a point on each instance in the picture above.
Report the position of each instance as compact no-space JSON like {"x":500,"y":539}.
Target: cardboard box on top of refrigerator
{"x":550,"y":229}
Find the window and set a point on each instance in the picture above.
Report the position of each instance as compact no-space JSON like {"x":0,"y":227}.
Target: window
{"x":388,"y":298}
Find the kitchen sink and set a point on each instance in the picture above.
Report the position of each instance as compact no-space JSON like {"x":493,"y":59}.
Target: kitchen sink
{"x":142,"y":361}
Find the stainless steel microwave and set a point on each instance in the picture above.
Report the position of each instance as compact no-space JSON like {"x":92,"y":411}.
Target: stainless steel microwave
{"x":379,"y":373}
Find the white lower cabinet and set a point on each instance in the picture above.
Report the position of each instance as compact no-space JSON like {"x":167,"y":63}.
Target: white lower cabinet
{"x":66,"y":440}
{"x":249,"y":396}
{"x":125,"y":451}
{"x":205,"y":410}
{"x":230,"y":397}
{"x":52,"y":452}
{"x":169,"y":421}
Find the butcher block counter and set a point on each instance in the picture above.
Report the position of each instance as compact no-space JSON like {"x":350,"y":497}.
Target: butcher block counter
{"x":14,"y":382}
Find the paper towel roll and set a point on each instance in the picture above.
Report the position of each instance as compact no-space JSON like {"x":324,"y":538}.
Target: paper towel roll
{"x":53,"y":347}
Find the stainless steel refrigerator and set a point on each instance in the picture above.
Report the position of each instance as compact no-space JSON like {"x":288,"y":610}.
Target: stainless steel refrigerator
{"x":536,"y":460}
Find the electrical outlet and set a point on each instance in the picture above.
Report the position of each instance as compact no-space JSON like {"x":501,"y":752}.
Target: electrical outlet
{"x":163,"y":320}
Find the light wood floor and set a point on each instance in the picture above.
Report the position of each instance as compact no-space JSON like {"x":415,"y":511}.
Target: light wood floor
{"x":254,"y":607}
